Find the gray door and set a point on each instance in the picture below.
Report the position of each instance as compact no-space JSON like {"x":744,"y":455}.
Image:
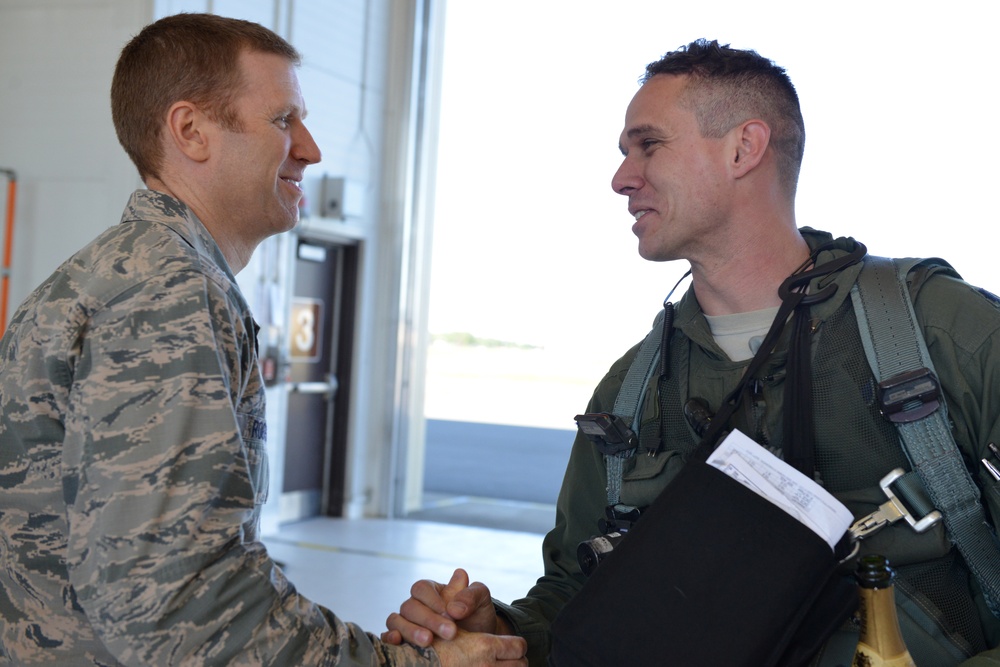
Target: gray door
{"x":319,"y":354}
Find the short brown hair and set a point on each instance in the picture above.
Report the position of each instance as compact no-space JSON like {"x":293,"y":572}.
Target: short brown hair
{"x":729,"y":86}
{"x":192,"y":57}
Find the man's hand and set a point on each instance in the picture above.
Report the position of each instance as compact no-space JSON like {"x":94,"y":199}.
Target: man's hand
{"x":441,"y":610}
{"x":473,"y":649}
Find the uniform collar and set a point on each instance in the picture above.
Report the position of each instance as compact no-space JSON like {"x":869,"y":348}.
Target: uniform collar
{"x":158,"y":207}
{"x":691,"y":321}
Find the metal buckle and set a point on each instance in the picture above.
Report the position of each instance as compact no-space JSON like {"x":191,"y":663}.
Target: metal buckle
{"x":891,"y":512}
{"x":897,"y":396}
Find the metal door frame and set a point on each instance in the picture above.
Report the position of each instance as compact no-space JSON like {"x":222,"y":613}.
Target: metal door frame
{"x":341,"y":318}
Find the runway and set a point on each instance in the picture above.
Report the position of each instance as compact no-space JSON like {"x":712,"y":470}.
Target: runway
{"x":495,"y":460}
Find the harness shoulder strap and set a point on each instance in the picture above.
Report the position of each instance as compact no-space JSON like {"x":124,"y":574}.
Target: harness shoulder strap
{"x":910,"y":397}
{"x":627,"y":403}
{"x":639,"y":372}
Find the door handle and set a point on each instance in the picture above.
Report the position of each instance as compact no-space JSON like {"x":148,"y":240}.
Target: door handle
{"x":328,"y":388}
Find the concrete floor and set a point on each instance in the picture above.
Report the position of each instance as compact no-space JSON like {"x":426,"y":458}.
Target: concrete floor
{"x":362,"y":569}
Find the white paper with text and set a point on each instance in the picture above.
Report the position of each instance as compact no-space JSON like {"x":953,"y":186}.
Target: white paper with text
{"x":761,"y":471}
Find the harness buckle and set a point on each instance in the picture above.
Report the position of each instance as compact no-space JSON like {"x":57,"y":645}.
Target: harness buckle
{"x":891,"y":512}
{"x":909,"y":396}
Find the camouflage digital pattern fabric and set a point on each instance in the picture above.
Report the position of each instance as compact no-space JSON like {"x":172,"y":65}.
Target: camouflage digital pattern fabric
{"x":133,"y":468}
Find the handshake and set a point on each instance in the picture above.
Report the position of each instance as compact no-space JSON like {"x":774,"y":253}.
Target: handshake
{"x":459,"y":620}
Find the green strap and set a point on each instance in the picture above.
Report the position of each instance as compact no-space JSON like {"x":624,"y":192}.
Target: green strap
{"x":628,"y":401}
{"x":894,"y":346}
{"x":639,"y":372}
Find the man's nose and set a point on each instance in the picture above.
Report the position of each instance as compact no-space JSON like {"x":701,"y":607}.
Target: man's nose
{"x":626,"y":179}
{"x":305,"y":147}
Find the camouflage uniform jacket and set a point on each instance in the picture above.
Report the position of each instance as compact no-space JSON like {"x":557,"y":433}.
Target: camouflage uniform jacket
{"x":132,"y":468}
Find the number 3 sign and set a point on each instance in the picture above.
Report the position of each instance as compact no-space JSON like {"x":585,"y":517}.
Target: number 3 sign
{"x":307,"y":320}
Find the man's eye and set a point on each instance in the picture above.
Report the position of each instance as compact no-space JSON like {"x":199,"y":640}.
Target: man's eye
{"x":649,"y":143}
{"x":283,"y":121}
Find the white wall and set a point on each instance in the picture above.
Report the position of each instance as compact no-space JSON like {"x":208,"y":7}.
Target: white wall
{"x":56,"y":62}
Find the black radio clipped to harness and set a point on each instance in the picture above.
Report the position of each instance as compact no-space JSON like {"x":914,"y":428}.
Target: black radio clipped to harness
{"x":609,"y":432}
{"x":611,"y":435}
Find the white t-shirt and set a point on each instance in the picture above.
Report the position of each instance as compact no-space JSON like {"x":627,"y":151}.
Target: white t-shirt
{"x":741,"y":334}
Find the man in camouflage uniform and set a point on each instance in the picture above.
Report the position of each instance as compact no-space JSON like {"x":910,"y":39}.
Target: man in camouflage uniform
{"x":132,"y":430}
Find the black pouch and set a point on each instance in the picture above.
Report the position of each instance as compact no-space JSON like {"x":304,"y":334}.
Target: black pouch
{"x":712,"y":575}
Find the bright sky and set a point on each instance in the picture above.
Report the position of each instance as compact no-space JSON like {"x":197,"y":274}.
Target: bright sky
{"x":531,"y":245}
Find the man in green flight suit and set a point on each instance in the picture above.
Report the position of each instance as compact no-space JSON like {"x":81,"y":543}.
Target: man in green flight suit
{"x":712,"y":145}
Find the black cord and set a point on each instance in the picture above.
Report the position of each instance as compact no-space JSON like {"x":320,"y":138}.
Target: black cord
{"x":793,"y":294}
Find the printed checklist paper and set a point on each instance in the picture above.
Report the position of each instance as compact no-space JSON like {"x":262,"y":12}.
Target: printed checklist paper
{"x":764,"y":473}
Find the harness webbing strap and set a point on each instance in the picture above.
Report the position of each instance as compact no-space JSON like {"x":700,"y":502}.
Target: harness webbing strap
{"x":629,"y":399}
{"x":894,"y":346}
{"x":637,"y":379}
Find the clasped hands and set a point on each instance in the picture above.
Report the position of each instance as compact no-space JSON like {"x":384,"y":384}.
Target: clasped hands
{"x":458,"y":619}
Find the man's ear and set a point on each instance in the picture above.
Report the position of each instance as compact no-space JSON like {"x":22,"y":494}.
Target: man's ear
{"x":189,"y":129}
{"x":752,"y":139}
